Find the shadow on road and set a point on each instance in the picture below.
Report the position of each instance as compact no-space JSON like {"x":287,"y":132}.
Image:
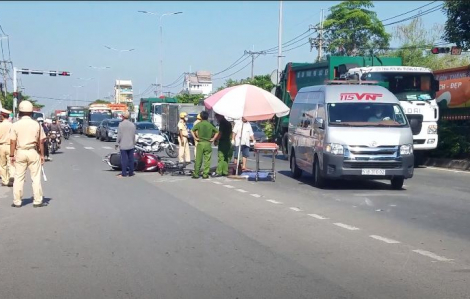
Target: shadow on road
{"x":342,"y":184}
{"x":28,"y":201}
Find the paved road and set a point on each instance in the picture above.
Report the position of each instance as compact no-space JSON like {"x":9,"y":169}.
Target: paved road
{"x":155,"y":236}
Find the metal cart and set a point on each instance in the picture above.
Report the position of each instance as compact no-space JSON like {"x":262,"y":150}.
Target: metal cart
{"x":266,"y":148}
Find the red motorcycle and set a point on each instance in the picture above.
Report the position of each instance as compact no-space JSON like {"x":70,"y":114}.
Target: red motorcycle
{"x":143,"y":161}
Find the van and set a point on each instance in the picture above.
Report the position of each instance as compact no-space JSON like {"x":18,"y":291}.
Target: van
{"x":349,"y":132}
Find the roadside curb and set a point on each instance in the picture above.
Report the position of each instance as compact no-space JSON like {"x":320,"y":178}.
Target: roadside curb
{"x":448,"y":163}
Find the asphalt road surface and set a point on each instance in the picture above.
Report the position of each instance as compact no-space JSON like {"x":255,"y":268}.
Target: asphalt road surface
{"x":153,"y":236}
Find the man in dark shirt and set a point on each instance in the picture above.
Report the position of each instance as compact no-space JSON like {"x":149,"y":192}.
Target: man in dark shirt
{"x":204,"y":133}
{"x":224,"y":146}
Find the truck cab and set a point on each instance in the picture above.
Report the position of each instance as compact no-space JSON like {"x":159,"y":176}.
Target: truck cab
{"x":415,"y":88}
{"x":349,"y":131}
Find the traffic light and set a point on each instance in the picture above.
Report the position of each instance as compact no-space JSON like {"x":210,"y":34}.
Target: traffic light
{"x":25,"y":72}
{"x":15,"y":94}
{"x":440,"y":50}
{"x":52,"y":73}
{"x":64,"y":74}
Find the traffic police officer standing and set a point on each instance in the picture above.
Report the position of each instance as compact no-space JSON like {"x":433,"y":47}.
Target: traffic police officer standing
{"x":27,"y":151}
{"x":183,"y":154}
{"x":6,"y":169}
{"x":205,"y":133}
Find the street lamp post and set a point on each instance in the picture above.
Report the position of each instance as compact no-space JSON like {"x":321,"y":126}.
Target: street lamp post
{"x":119,"y":80}
{"x":76,"y":92}
{"x":99,"y":68}
{"x":161,"y":42}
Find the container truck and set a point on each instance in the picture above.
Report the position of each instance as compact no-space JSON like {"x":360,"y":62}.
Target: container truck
{"x":171,"y":116}
{"x":150,"y":109}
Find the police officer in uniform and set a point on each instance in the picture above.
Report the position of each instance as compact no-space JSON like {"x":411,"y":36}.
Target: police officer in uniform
{"x":6,"y":169}
{"x":27,"y":152}
{"x":198,"y":120}
{"x":183,"y":154}
{"x":224,"y":145}
{"x":204,"y":133}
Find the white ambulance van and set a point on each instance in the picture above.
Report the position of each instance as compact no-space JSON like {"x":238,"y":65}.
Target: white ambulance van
{"x":351,"y":131}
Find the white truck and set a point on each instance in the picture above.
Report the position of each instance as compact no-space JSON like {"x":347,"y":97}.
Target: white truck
{"x":415,"y":88}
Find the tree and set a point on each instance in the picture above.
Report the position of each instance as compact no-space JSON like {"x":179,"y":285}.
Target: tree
{"x":457,"y":27}
{"x":98,"y":101}
{"x":7,"y":103}
{"x":416,"y":43}
{"x":189,"y":98}
{"x":262,"y":81}
{"x":352,"y":29}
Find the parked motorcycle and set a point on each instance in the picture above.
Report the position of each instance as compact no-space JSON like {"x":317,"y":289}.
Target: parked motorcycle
{"x":53,"y":141}
{"x":143,"y":161}
{"x":66,"y":132}
{"x":155,"y":143}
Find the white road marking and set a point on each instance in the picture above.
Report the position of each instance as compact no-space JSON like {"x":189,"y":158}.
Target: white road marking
{"x":318,"y":216}
{"x":383,"y":239}
{"x":449,"y":170}
{"x":378,"y":194}
{"x":241,"y":190}
{"x":107,"y":147}
{"x":346,"y":226}
{"x":393,"y":205}
{"x":217,"y":183}
{"x":432,"y":255}
{"x":88,"y":147}
{"x":69,"y":147}
{"x":229,"y":186}
{"x":256,"y":195}
{"x":274,"y":201}
{"x":295,"y":209}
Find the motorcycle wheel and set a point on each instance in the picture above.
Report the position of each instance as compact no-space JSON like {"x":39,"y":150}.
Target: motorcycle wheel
{"x":171,"y":151}
{"x":53,"y":148}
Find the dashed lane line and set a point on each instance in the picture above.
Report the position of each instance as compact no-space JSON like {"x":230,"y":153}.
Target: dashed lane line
{"x":448,"y":170}
{"x":346,"y":226}
{"x":295,"y":209}
{"x":274,"y":201}
{"x":217,"y":183}
{"x":432,"y":255}
{"x":69,"y":147}
{"x":241,"y":190}
{"x":107,"y":147}
{"x":88,"y":147}
{"x":319,"y":217}
{"x":229,"y":186}
{"x":255,"y":195}
{"x":383,"y":239}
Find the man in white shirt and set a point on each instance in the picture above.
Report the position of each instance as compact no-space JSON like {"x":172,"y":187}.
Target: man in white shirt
{"x":246,"y":136}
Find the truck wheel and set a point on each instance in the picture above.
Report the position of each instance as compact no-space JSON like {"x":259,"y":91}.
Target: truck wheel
{"x":318,"y":180}
{"x":284,"y":145}
{"x":397,"y":183}
{"x":296,"y":171}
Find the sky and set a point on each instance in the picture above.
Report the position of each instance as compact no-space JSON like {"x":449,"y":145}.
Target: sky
{"x":71,"y":36}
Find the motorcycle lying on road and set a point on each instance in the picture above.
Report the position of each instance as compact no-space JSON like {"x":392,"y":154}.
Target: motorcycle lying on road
{"x":154,"y":143}
{"x":53,"y":141}
{"x":143,"y":161}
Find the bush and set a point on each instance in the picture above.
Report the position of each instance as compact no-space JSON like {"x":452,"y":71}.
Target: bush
{"x":454,"y":141}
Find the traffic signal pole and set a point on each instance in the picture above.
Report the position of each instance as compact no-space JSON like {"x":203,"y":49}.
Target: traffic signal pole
{"x":15,"y":91}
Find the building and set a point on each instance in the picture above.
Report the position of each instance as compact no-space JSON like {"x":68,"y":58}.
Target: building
{"x":198,"y":83}
{"x":123,"y":93}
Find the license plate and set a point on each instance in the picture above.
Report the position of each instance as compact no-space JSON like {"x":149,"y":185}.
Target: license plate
{"x":373,"y":172}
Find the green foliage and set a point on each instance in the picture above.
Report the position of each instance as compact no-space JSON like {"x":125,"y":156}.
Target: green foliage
{"x":457,"y":27}
{"x":98,"y":101}
{"x":454,"y":141}
{"x":416,"y":43}
{"x":261,"y":81}
{"x":352,"y":29}
{"x":189,"y":98}
{"x":7,"y":103}
{"x":269,"y":130}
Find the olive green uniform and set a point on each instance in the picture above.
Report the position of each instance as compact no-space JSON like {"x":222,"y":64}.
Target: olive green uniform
{"x":205,"y":131}
{"x":225,"y":147}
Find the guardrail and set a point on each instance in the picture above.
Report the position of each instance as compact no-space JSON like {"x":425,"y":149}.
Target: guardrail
{"x":455,"y":114}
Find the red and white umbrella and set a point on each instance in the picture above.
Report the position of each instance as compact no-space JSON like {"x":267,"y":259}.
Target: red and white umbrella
{"x":248,"y":101}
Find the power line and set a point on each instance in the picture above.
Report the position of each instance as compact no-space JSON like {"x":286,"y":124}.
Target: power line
{"x":405,"y":13}
{"x":234,"y":73}
{"x":229,"y":67}
{"x":420,"y":14}
{"x":175,"y":80}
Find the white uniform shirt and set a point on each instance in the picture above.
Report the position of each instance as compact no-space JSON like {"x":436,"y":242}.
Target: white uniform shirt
{"x":247,"y":133}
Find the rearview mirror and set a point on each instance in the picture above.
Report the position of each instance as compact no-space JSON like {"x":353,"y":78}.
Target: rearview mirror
{"x":319,"y":123}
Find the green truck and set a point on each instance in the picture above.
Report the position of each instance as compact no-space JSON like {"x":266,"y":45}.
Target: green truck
{"x":150,"y":109}
{"x":298,"y":75}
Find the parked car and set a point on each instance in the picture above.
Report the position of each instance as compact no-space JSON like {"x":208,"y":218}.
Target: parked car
{"x":98,"y":129}
{"x":259,"y":134}
{"x":146,"y":127}
{"x":107,"y":130}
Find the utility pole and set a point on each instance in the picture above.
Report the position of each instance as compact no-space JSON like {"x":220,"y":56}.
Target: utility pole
{"x":279,"y":46}
{"x":253,"y":53}
{"x":318,"y":41}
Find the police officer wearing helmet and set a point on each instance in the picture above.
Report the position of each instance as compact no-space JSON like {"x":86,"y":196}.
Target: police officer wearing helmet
{"x":27,"y":152}
{"x":183,"y":154}
{"x":6,"y":169}
{"x":198,"y":120}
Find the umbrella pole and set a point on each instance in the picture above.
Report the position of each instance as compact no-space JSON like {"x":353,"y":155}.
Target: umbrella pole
{"x":239,"y":150}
